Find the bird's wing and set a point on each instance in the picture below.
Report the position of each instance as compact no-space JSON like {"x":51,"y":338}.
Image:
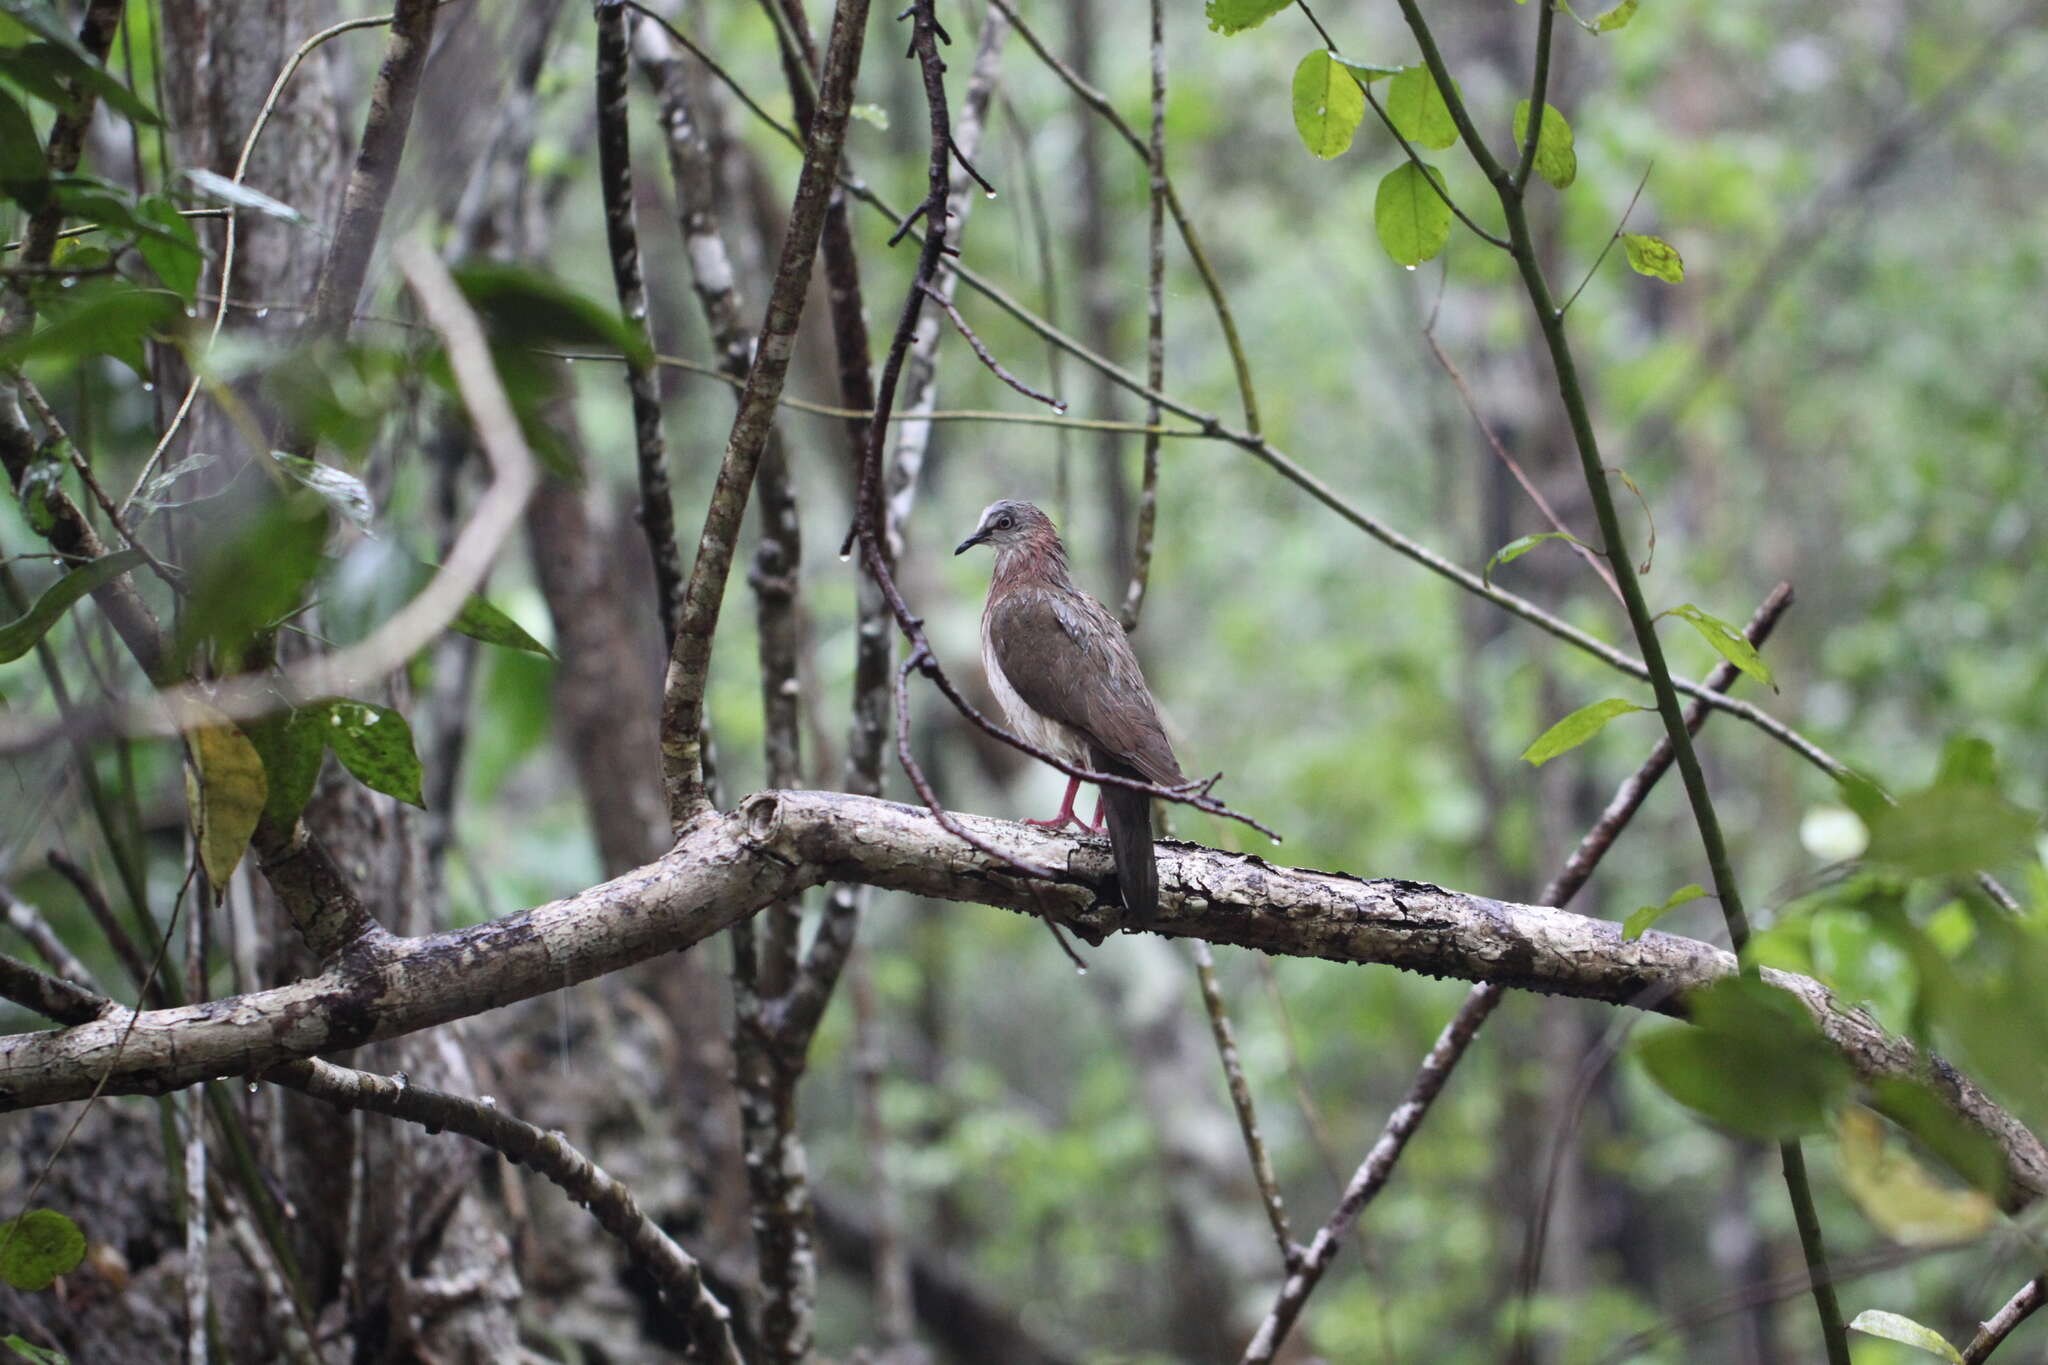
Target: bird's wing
{"x":1070,"y":661}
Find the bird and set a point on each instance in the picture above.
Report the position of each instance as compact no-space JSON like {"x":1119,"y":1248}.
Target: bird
{"x":1063,"y":671}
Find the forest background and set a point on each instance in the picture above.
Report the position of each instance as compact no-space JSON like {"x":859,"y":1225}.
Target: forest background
{"x":991,"y":1156}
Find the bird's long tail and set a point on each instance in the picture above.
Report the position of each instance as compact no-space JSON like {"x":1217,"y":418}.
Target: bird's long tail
{"x":1129,"y":817}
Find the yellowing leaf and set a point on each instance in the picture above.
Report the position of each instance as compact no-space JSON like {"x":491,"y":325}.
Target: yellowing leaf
{"x":1556,"y":159}
{"x":1899,"y":1195}
{"x":1653,"y":256}
{"x":1873,"y":1322}
{"x":224,"y":789}
{"x":1328,"y":105}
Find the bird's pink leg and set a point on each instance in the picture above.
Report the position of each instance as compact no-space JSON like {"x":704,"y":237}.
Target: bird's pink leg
{"x":1066,"y":816}
{"x":1099,"y":824}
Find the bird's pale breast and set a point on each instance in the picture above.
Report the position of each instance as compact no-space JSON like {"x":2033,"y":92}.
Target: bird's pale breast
{"x":1062,"y":740}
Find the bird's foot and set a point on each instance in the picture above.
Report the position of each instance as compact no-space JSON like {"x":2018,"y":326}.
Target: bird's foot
{"x":1060,"y":821}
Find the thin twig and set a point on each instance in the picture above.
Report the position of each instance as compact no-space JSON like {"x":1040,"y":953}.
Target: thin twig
{"x":683,"y":692}
{"x":622,"y":242}
{"x":1593,"y":557}
{"x":982,"y":352}
{"x":1612,"y":238}
{"x":1155,"y":330}
{"x":227,"y":258}
{"x":2000,"y":1325}
{"x":677,"y":1273}
{"x":1457,"y":1035}
{"x":1212,"y":283}
{"x":53,"y":427}
{"x":1241,"y":1101}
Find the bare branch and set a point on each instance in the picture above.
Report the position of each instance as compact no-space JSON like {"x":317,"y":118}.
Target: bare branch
{"x":2000,"y":1325}
{"x":675,"y":1271}
{"x":1457,"y":1035}
{"x":622,"y":239}
{"x":683,"y":704}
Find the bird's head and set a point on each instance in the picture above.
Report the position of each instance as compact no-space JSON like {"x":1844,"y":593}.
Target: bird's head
{"x":1007,"y":526}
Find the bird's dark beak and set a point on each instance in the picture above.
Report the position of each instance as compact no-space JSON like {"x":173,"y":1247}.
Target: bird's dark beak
{"x":964,"y":546}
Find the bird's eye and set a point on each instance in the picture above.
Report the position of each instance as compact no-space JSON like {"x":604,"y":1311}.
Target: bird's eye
{"x":1003,"y":522}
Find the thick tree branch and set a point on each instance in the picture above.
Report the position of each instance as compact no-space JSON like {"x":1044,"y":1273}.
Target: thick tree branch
{"x":777,"y":843}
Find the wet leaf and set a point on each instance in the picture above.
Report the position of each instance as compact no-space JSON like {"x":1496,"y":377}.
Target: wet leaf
{"x":292,"y":744}
{"x":225,"y":792}
{"x":1730,"y":643}
{"x":1617,"y":17}
{"x":1521,"y":545}
{"x":523,"y":308}
{"x":1874,"y":1322}
{"x":341,"y":490}
{"x":1416,"y":107}
{"x":1753,"y":1060}
{"x":1653,"y":256}
{"x":1412,"y":220}
{"x":1898,"y":1195}
{"x":1644,"y":916}
{"x":37,"y":1247}
{"x":176,"y":261}
{"x":19,"y":636}
{"x":103,"y":317}
{"x":1235,"y":16}
{"x":1556,"y":159}
{"x":375,"y":744}
{"x":480,"y":620}
{"x":219,"y":187}
{"x":1328,"y":105}
{"x":1576,"y":728}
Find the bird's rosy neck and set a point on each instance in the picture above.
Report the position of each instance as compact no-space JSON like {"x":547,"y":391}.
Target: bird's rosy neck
{"x":1040,"y":559}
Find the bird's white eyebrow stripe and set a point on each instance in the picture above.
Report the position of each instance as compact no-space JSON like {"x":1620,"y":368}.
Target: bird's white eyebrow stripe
{"x":982,"y":520}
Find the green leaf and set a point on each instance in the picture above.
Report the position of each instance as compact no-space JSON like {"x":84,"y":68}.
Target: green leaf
{"x":37,"y":1247}
{"x":112,"y":319}
{"x":1576,"y":728}
{"x":176,"y":262}
{"x":1417,"y":109}
{"x":219,"y":187}
{"x":250,"y":576}
{"x":521,"y":308}
{"x":1727,"y":641}
{"x":22,"y":169}
{"x":1891,"y":1326}
{"x":32,"y":1353}
{"x":19,"y":636}
{"x":1328,"y":105}
{"x":291,"y":744}
{"x":1521,"y":545}
{"x":1753,"y":1060}
{"x":1653,"y":256}
{"x":1967,"y":760}
{"x":68,"y":57}
{"x":870,"y":113}
{"x":225,"y":792}
{"x":1950,"y":829}
{"x":1367,"y":72}
{"x":1556,"y":160}
{"x":375,"y":744}
{"x":1615,"y":18}
{"x":338,"y":488}
{"x":480,"y":620}
{"x":1412,"y":220}
{"x":1235,"y":16}
{"x":1646,"y":915}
